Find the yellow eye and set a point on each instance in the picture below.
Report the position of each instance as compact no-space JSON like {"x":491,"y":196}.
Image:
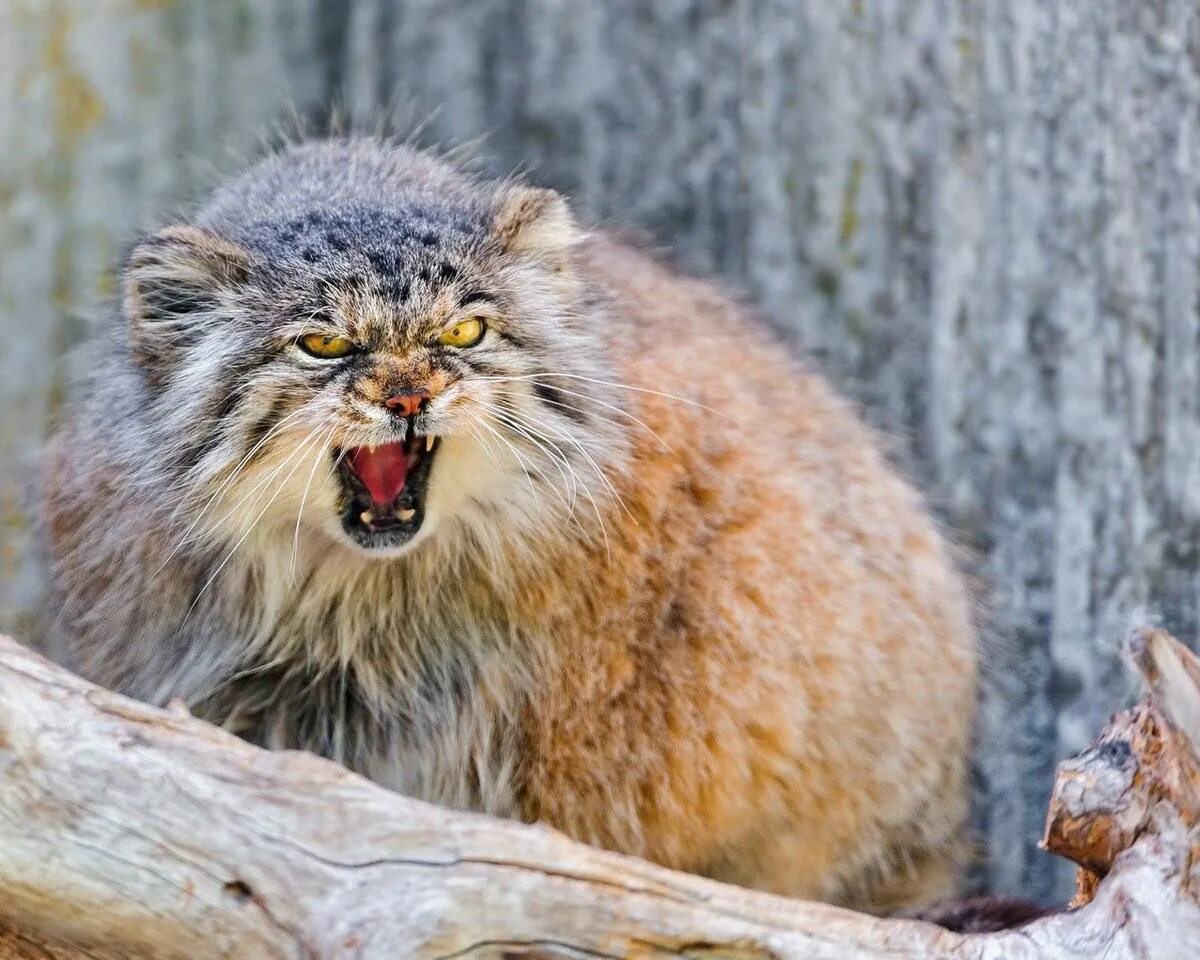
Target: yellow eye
{"x":326,"y":348}
{"x":465,"y":333}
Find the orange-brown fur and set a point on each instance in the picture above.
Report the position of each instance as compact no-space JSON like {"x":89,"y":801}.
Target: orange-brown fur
{"x":772,"y":680}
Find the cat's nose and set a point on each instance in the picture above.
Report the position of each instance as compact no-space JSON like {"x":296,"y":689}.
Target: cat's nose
{"x":407,"y":403}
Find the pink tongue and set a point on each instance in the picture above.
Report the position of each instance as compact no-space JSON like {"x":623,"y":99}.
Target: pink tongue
{"x":382,"y":471}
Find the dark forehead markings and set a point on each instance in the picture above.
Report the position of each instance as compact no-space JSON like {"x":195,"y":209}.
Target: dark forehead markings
{"x":390,"y":251}
{"x":397,"y":288}
{"x":322,"y":230}
{"x":384,"y":261}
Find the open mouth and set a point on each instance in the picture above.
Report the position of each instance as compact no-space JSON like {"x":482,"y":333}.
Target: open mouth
{"x":383,"y":489}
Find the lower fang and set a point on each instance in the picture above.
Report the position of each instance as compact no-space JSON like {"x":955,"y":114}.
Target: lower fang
{"x":405,"y":515}
{"x":367,"y":517}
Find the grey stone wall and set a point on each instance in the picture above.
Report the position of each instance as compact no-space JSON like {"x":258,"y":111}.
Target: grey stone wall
{"x":980,"y":216}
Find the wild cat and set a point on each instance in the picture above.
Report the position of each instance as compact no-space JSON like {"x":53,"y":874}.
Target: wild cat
{"x":387,"y":461}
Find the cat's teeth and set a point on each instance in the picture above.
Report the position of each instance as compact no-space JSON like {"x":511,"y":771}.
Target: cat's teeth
{"x":367,"y":517}
{"x":371,"y":448}
{"x":429,"y":442}
{"x":405,"y":514}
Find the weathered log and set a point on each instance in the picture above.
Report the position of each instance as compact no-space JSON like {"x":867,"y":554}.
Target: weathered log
{"x":1143,"y":767}
{"x":24,"y":944}
{"x":132,"y":832}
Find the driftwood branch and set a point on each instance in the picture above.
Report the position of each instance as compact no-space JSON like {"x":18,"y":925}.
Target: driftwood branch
{"x":132,"y":832}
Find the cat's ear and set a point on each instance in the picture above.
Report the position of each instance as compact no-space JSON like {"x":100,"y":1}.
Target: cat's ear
{"x":535,"y":222}
{"x":171,"y":282}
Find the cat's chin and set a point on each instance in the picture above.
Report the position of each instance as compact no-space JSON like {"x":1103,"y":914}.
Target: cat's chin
{"x":382,"y":545}
{"x":380,"y":533}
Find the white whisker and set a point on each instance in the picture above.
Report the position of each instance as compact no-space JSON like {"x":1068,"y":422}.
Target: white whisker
{"x":224,"y":485}
{"x":622,"y":386}
{"x":296,"y":455}
{"x":587,"y":493}
{"x":304,"y":499}
{"x":532,"y":425}
{"x":596,"y":400}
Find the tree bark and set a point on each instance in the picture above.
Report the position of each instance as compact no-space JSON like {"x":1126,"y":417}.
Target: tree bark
{"x":132,"y":832}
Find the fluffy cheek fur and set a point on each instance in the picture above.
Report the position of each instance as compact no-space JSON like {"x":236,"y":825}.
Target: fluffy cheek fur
{"x":485,"y":484}
{"x":275,"y":491}
{"x":505,"y":478}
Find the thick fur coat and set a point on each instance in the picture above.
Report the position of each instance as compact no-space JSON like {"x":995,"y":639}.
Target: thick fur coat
{"x":663,"y":591}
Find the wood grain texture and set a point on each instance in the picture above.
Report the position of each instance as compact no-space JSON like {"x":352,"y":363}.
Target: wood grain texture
{"x":982,"y":218}
{"x":134,"y":833}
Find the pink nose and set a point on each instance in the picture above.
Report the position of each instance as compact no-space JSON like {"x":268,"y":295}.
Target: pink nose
{"x":408,"y":403}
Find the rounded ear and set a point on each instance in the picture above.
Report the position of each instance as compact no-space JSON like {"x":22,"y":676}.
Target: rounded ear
{"x":535,"y":221}
{"x":171,"y":282}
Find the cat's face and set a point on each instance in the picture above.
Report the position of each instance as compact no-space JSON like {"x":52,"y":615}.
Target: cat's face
{"x":375,"y":375}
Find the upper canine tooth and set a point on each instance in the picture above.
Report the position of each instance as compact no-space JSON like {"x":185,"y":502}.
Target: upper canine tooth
{"x":371,"y":447}
{"x":429,"y":442}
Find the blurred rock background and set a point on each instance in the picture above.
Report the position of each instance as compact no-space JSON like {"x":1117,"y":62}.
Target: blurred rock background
{"x":979,"y":216}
